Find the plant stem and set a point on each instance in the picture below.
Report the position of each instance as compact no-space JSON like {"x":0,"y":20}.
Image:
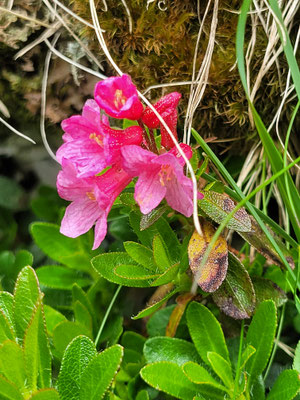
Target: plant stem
{"x":107,"y":314}
{"x":237,"y":372}
{"x":148,"y":138}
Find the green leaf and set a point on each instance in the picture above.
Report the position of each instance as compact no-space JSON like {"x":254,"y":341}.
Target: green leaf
{"x":75,"y":253}
{"x":159,"y":227}
{"x":150,"y":218}
{"x":26,"y":295}
{"x":45,"y":394}
{"x":170,"y":378}
{"x":170,"y":349}
{"x":141,"y":254}
{"x":23,"y":259}
{"x":52,"y":318}
{"x":8,"y":390}
{"x":206,"y":332}
{"x":261,"y":335}
{"x":296,"y":361}
{"x":10,"y":194}
{"x":143,"y":395}
{"x":236,"y":296}
{"x":221,"y":367}
{"x":134,"y":341}
{"x":265,"y":289}
{"x":134,"y":272}
{"x":37,"y":352}
{"x":82,"y":316}
{"x":160,"y":253}
{"x":197,"y":374}
{"x":59,"y":277}
{"x":100,"y":372}
{"x":6,"y":330}
{"x":105,"y":264}
{"x":76,"y":358}
{"x":65,"y":332}
{"x":12,"y":363}
{"x":218,"y":205}
{"x":168,"y":276}
{"x":247,"y":353}
{"x":153,"y":307}
{"x":286,"y":386}
{"x":7,"y":307}
{"x":80,"y":295}
{"x":258,"y":389}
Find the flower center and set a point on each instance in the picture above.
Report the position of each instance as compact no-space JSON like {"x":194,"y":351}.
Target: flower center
{"x":91,"y":196}
{"x":120,"y":99}
{"x":97,"y":138}
{"x":165,"y":174}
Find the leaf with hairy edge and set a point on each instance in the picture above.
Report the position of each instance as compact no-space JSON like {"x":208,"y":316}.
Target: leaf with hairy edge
{"x":170,"y":378}
{"x":296,"y":362}
{"x":236,"y":296}
{"x":175,"y":318}
{"x":37,"y":351}
{"x":247,"y":353}
{"x":169,"y":275}
{"x":59,"y":277}
{"x":76,"y":358}
{"x":221,"y":367}
{"x":154,"y":306}
{"x":73,"y":252}
{"x":150,"y":218}
{"x":258,"y":239}
{"x":206,"y":332}
{"x":162,"y":348}
{"x":52,"y":318}
{"x":105,"y":264}
{"x":100,"y":372}
{"x":45,"y":394}
{"x":8,"y":390}
{"x":7,"y":307}
{"x":265,"y":289}
{"x":213,"y":272}
{"x":286,"y":386}
{"x":218,"y":205}
{"x":12,"y":363}
{"x":26,"y":295}
{"x":197,"y":374}
{"x":160,"y":253}
{"x":6,"y":331}
{"x":260,"y":335}
{"x":140,"y":254}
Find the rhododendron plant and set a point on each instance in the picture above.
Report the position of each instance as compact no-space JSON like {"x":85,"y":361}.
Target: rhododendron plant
{"x":91,"y":146}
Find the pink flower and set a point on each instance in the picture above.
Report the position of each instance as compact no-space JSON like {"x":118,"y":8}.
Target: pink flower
{"x":91,"y":144}
{"x":92,"y":199}
{"x":160,"y":176}
{"x":118,"y":97}
{"x":166,"y":107}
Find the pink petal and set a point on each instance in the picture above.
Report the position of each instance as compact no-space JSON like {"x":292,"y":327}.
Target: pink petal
{"x":69,"y":187}
{"x":149,"y":191}
{"x":100,"y":230}
{"x":179,"y":195}
{"x":79,"y":217}
{"x":187,"y":151}
{"x":135,"y":159}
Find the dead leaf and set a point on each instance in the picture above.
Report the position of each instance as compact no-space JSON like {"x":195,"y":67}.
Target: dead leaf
{"x":211,"y":275}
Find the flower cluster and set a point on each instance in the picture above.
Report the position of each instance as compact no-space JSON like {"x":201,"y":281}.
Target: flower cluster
{"x":98,"y":161}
